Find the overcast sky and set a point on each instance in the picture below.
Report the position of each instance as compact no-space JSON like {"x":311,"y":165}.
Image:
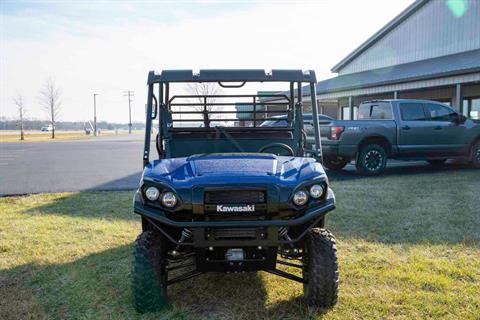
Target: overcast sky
{"x":108,"y":47}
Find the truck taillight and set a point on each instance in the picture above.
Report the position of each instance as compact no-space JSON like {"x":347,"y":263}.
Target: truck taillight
{"x":336,"y":132}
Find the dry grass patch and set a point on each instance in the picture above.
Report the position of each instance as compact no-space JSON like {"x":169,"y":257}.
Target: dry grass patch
{"x":37,"y":136}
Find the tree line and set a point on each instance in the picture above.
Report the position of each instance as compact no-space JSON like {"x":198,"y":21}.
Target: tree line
{"x":50,"y":99}
{"x":63,"y":125}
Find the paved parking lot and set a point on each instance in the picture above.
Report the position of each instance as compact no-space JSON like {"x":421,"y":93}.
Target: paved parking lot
{"x":108,"y":163}
{"x":104,"y":163}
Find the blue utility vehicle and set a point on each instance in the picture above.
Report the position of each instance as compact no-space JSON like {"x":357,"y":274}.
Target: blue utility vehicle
{"x":226,"y":194}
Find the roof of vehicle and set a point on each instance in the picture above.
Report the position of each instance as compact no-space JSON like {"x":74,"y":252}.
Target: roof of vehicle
{"x":232,"y":75}
{"x":305,"y":115}
{"x":402,"y":100}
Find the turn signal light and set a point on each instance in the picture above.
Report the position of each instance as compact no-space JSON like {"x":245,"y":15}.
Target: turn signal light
{"x":336,"y":132}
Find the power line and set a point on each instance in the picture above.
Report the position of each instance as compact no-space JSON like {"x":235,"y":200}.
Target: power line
{"x":130,"y":95}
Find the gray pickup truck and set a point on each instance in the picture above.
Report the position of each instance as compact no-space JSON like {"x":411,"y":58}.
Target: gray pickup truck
{"x":401,"y":129}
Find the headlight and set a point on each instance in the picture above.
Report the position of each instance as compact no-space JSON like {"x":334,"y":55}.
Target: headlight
{"x":300,"y":198}
{"x":152,"y":193}
{"x":169,"y":199}
{"x":316,"y":191}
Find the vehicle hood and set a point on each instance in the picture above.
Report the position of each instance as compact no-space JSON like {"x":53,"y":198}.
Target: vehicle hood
{"x":220,"y":169}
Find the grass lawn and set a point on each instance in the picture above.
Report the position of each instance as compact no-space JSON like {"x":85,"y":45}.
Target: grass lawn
{"x":43,"y":136}
{"x":409,"y":247}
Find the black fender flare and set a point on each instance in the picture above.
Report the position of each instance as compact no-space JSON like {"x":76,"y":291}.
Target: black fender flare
{"x":375,"y":138}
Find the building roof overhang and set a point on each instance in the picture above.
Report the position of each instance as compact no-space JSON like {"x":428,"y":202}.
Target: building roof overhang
{"x":455,"y":64}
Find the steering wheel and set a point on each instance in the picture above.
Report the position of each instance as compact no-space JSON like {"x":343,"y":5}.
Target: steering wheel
{"x":278,"y":145}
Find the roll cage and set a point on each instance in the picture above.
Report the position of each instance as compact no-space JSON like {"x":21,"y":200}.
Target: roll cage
{"x":208,"y":137}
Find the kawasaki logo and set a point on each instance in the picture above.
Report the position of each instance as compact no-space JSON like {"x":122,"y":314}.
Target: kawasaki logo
{"x":243,"y":208}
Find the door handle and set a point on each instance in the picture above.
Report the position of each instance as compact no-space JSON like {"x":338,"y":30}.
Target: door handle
{"x":406,"y":127}
{"x":437,"y":128}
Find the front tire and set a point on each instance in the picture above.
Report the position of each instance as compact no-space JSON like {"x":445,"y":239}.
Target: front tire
{"x":320,"y":269}
{"x":475,"y":159}
{"x":334,"y":164}
{"x":149,"y":275}
{"x":371,"y":160}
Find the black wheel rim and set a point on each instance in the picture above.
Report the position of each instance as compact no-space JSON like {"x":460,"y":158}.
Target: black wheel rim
{"x":373,"y":160}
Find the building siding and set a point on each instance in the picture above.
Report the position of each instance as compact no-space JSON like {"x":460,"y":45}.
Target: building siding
{"x":432,"y":31}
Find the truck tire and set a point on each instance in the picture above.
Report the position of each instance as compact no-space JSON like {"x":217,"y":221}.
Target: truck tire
{"x":476,"y":154}
{"x":437,"y":162}
{"x":334,"y":164}
{"x":320,"y":269}
{"x":149,"y":275}
{"x":371,"y":160}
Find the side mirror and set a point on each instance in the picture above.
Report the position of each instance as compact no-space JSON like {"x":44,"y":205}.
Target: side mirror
{"x":459,"y":118}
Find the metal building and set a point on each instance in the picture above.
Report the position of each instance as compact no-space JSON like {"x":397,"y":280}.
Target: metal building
{"x":429,"y":51}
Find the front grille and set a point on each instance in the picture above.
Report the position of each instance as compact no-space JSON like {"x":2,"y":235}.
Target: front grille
{"x":233,"y":233}
{"x":234,"y":197}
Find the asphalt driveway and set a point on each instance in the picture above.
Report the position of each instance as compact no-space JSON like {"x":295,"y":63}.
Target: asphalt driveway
{"x":109,"y":163}
{"x":104,"y":163}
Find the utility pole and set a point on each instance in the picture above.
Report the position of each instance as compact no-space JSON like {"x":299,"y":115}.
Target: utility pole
{"x":129,"y":94}
{"x":95,"y":114}
{"x":22,"y":137}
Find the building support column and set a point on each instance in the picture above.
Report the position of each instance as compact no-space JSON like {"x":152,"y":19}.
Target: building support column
{"x":458,"y":97}
{"x":320,"y":107}
{"x":395,"y":95}
{"x":339,"y":109}
{"x":350,"y":105}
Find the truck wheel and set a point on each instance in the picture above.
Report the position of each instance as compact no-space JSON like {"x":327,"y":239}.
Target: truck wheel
{"x":320,"y":269}
{"x":371,"y":160}
{"x":476,"y":154}
{"x":149,"y":275}
{"x":437,"y":162}
{"x":334,"y":164}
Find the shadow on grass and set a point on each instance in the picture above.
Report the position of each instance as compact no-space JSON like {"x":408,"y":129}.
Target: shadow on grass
{"x":441,"y":208}
{"x":401,"y":168}
{"x":436,"y":206}
{"x":111,"y":200}
{"x":129,"y":182}
{"x":109,"y":205}
{"x":98,"y":286}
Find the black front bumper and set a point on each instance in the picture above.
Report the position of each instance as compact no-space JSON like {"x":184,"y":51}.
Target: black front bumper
{"x":270,"y":238}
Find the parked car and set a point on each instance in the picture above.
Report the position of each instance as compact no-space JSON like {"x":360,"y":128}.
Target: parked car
{"x":46,"y":128}
{"x":308,"y":128}
{"x":281,"y":121}
{"x":401,"y":129}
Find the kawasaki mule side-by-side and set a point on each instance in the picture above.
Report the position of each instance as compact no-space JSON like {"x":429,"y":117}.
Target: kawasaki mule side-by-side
{"x":229,"y":195}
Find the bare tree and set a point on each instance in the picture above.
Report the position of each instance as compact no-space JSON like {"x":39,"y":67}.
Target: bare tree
{"x":50,"y":96}
{"x":204,"y":89}
{"x":19,"y":101}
